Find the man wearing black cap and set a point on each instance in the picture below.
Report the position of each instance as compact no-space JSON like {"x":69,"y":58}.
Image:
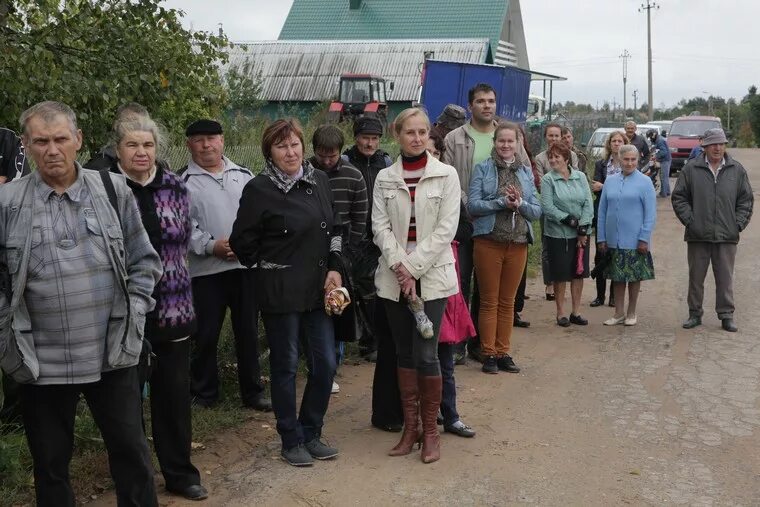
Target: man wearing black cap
{"x":367,"y":156}
{"x":713,"y":199}
{"x":219,"y":280}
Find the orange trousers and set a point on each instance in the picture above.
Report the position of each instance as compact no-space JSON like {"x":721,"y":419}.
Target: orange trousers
{"x":499,"y":268}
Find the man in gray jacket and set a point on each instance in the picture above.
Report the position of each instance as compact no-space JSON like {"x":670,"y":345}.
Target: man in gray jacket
{"x":77,"y":271}
{"x":219,"y":280}
{"x":713,"y":199}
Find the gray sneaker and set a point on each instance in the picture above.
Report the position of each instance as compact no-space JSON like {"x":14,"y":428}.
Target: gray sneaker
{"x":297,"y":456}
{"x":319,"y":450}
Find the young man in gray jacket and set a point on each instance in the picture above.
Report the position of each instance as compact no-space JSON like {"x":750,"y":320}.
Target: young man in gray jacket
{"x":219,"y":280}
{"x":77,"y":272}
{"x":713,"y":199}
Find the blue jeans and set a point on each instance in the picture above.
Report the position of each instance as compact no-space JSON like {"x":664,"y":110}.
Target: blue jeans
{"x":282,"y":334}
{"x":665,"y":178}
{"x":449,"y":391}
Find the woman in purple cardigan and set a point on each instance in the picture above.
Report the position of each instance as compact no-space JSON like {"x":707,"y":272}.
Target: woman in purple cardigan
{"x":164,"y":206}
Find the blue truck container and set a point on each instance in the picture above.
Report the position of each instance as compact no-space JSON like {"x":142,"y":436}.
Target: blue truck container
{"x":448,"y":83}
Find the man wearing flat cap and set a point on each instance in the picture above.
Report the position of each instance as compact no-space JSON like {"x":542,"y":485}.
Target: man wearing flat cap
{"x":219,"y":280}
{"x":713,"y":199}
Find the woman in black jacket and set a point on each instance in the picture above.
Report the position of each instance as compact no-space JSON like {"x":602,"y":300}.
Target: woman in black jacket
{"x":287,"y":227}
{"x":608,"y":165}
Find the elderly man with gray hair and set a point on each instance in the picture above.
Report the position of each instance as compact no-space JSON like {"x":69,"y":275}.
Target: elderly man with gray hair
{"x":77,"y":271}
{"x":638,"y":141}
{"x":713,"y":199}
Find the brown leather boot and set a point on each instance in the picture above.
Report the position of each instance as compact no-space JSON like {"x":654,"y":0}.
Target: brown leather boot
{"x":430,"y":400}
{"x":407,"y":385}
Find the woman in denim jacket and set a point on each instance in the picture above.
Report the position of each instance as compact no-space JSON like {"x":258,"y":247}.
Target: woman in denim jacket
{"x":503,"y":202}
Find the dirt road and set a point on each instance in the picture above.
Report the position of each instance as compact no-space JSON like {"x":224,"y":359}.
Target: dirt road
{"x":648,"y":415}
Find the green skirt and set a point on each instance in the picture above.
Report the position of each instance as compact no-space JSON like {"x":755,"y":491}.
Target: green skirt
{"x":629,"y":266}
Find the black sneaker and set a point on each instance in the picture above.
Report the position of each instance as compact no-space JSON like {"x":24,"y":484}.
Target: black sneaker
{"x":507,"y":364}
{"x":319,"y":450}
{"x":297,"y":456}
{"x":578,"y":320}
{"x":489,"y":365}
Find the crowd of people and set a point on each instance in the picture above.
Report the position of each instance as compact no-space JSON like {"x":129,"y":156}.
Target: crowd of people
{"x":120,"y":275}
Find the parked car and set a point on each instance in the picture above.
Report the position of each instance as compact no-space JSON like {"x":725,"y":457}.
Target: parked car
{"x":595,"y":145}
{"x":684,"y":135}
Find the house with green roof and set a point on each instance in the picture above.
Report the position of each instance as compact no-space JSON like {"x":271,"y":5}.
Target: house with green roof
{"x":499,"y":21}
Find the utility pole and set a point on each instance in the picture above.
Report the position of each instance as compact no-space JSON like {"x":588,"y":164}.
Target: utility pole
{"x":635,"y":104}
{"x":648,"y":7}
{"x":625,"y":56}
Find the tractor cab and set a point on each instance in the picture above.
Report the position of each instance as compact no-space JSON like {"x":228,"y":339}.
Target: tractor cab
{"x":361,"y":95}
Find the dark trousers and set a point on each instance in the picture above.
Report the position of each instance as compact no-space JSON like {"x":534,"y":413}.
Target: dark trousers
{"x":415,"y":352}
{"x":601,"y":281}
{"x":115,"y":403}
{"x":520,"y":296}
{"x":449,"y":394}
{"x":386,"y":399}
{"x":722,"y":256}
{"x":170,"y":414}
{"x":212,"y":295}
{"x":283,"y":330}
{"x":469,"y":289}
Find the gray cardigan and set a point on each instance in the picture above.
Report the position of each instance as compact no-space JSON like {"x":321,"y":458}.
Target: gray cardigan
{"x":136,"y":265}
{"x":714,"y":210}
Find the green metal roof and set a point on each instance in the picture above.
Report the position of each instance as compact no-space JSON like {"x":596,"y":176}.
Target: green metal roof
{"x":396,"y":19}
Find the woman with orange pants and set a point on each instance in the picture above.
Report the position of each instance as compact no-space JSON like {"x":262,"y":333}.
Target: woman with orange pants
{"x":503,"y":202}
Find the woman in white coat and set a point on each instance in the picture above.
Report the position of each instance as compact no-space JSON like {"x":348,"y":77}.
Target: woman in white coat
{"x":415,"y":214}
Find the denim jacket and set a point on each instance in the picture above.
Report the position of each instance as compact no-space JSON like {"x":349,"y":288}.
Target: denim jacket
{"x":136,"y":265}
{"x":484,"y":199}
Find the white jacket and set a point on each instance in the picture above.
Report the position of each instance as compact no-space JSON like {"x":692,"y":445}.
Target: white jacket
{"x":436,"y":209}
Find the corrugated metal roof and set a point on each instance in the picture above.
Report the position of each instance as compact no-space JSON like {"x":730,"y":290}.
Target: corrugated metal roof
{"x":395,"y":19}
{"x":310,"y":70}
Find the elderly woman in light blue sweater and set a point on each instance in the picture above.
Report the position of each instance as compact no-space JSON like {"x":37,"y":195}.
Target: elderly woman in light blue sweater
{"x":627,"y":213}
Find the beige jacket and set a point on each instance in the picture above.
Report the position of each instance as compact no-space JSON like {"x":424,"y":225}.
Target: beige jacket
{"x":436,"y":209}
{"x":458,"y":151}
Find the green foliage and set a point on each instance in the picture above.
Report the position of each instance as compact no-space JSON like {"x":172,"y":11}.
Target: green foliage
{"x":753,"y":103}
{"x":95,"y":56}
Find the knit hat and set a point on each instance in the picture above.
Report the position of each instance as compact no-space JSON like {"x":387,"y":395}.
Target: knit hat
{"x":368,"y":125}
{"x":714,"y":136}
{"x":204,"y":127}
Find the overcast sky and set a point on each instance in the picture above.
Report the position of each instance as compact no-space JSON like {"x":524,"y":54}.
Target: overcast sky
{"x":698,"y":45}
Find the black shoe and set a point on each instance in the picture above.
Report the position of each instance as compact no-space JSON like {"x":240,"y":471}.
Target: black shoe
{"x":550,"y":297}
{"x":489,"y":365}
{"x":597,"y":302}
{"x":578,"y":320}
{"x":611,"y":302}
{"x":518,"y":322}
{"x":507,"y":364}
{"x":390,"y":428}
{"x":319,"y":450}
{"x":729,"y":325}
{"x":460,"y":359}
{"x":261,"y":404}
{"x":297,"y":456}
{"x":194,"y":492}
{"x":526,"y":297}
{"x":462,"y":431}
{"x":563,"y":322}
{"x":692,"y":322}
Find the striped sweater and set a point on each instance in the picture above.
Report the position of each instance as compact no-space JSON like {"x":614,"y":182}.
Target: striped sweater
{"x":413,"y":169}
{"x":349,"y":192}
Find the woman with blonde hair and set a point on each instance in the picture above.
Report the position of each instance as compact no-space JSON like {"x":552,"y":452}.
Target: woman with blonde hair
{"x":608,"y":165}
{"x":415,"y":213}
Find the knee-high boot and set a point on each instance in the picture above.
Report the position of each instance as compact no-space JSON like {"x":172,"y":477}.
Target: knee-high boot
{"x":407,"y":383}
{"x":430,"y":400}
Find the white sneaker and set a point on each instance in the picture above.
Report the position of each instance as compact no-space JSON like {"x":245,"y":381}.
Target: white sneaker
{"x":614,"y":321}
{"x":632,"y":321}
{"x":335,"y":388}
